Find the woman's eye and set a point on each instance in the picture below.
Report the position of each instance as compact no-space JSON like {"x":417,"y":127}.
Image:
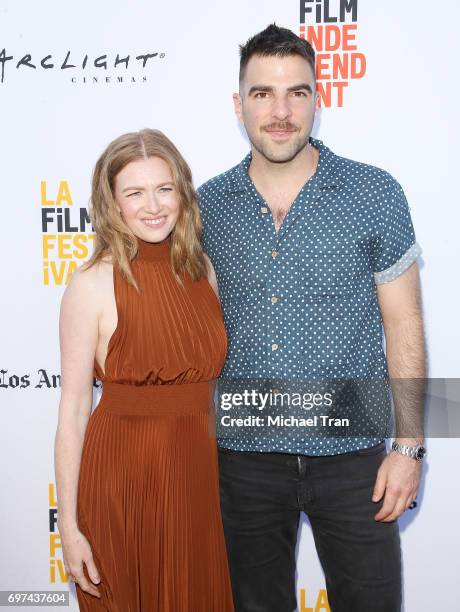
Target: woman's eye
{"x":163,"y":189}
{"x":134,"y":193}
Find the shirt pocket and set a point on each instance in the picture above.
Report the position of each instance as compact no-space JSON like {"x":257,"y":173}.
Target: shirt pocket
{"x":328,"y":271}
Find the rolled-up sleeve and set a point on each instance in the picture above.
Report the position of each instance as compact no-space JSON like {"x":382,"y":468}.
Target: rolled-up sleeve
{"x":395,"y":248}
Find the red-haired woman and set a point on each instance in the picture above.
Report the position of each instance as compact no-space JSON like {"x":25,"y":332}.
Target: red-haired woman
{"x":137,"y":479}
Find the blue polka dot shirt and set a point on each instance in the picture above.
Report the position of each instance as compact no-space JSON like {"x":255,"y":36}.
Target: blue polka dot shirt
{"x":301,"y":302}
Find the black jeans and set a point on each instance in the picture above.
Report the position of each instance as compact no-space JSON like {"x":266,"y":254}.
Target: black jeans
{"x":262,"y":495}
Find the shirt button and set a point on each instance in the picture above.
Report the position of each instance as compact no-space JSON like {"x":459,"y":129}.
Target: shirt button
{"x":274,"y":253}
{"x":274,"y":346}
{"x":264,"y":210}
{"x":274,"y":299}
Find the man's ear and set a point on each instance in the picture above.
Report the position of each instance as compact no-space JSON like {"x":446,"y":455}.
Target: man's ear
{"x":317,"y":100}
{"x":237,"y":103}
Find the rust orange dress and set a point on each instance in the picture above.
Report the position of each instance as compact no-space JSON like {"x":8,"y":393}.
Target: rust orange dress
{"x":148,"y":498}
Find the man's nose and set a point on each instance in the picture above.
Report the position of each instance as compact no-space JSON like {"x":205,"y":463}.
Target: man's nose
{"x":281,"y":109}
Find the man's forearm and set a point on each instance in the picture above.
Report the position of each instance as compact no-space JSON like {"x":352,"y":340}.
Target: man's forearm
{"x":406,"y":359}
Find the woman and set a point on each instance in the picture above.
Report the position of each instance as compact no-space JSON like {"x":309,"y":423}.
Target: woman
{"x":137,"y":480}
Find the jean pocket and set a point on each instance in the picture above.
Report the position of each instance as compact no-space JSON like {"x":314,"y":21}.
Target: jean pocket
{"x":225,"y":451}
{"x":372,"y":450}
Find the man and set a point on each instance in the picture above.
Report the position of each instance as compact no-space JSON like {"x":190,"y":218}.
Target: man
{"x":312,"y":253}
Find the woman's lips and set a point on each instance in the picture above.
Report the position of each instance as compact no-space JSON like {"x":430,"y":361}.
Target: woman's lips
{"x":154,"y":223}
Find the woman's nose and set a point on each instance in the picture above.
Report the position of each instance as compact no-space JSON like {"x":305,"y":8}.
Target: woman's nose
{"x":151,"y":204}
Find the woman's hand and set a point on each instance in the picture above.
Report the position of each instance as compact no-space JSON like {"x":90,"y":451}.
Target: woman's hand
{"x":77,"y":551}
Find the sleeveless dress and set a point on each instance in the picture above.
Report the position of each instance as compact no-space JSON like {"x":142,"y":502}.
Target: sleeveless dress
{"x":148,"y":498}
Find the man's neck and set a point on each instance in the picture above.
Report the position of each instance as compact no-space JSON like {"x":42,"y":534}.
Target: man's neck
{"x":283,"y":176}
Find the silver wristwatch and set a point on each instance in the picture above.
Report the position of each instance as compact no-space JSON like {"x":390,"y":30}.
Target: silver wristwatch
{"x":415,"y":452}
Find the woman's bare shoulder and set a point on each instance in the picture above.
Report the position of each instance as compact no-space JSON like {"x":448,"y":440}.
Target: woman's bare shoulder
{"x":90,"y":282}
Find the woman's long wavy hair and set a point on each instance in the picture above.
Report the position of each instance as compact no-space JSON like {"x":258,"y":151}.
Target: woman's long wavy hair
{"x":113,"y":237}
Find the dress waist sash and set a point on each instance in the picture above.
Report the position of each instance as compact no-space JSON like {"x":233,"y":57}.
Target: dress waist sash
{"x":157,"y":400}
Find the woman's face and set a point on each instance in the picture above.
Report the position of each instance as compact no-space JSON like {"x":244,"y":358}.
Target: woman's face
{"x":147,"y":199}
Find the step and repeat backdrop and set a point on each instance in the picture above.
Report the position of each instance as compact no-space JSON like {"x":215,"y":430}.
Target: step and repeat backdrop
{"x":73,"y":76}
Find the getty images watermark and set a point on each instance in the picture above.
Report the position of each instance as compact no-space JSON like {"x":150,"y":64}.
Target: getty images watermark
{"x":337,"y":407}
{"x":265,"y":403}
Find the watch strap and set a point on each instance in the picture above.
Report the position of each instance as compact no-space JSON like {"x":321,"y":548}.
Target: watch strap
{"x":415,"y":452}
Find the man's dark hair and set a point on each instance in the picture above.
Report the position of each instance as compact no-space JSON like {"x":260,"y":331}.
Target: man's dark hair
{"x":276,"y":41}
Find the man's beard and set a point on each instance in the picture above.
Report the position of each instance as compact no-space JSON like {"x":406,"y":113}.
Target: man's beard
{"x":280,"y":157}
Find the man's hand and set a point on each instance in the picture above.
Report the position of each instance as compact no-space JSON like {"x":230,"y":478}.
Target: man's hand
{"x":398,"y":478}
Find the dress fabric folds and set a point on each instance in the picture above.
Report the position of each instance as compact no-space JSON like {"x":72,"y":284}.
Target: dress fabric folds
{"x":148,"y":495}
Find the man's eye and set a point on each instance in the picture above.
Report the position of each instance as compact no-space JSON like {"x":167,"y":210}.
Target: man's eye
{"x":299,"y":94}
{"x":261,"y":94}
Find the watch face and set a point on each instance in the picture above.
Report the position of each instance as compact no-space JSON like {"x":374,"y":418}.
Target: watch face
{"x":420,"y":453}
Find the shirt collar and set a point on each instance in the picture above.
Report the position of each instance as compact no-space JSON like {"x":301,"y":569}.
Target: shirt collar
{"x":326,"y":174}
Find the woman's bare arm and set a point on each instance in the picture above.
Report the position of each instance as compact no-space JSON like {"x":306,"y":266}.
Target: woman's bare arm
{"x":212,"y":279}
{"x":78,"y":330}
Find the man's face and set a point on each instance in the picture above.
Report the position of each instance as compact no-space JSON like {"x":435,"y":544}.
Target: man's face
{"x":276,"y":104}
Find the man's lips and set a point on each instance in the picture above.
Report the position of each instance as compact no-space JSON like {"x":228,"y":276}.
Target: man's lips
{"x":277,"y":130}
{"x":281,"y":134}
